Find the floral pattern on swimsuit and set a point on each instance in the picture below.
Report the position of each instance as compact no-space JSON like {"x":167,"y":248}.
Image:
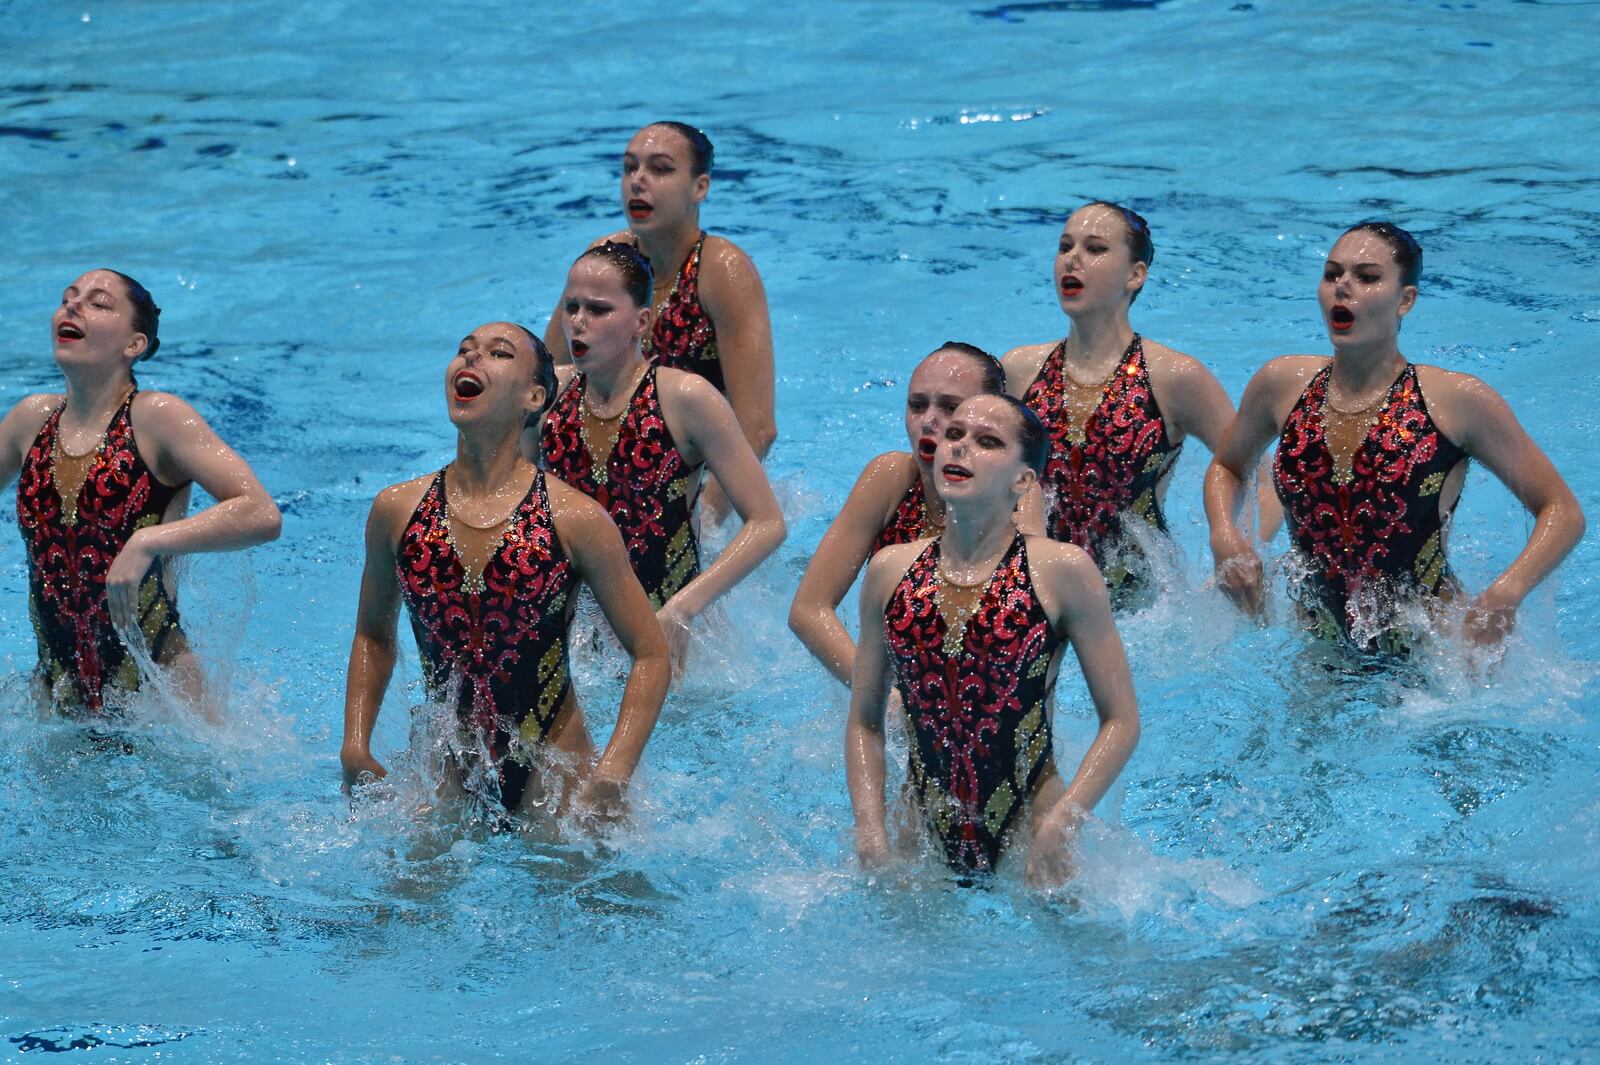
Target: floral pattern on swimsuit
{"x":980,"y":723}
{"x":644,"y":484}
{"x":494,"y":643}
{"x":908,"y":522}
{"x":1375,"y":540}
{"x":71,"y":546}
{"x":1094,"y":478}
{"x":684,"y":337}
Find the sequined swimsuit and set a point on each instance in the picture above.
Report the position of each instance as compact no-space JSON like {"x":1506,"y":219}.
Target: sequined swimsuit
{"x":71,"y":547}
{"x":684,"y":337}
{"x":908,"y":522}
{"x":1114,"y":469}
{"x":1376,"y":539}
{"x":494,"y":643}
{"x":975,"y":700}
{"x":644,"y":484}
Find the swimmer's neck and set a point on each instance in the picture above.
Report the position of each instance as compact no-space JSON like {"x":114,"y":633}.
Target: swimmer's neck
{"x":485,"y":461}
{"x":668,"y":250}
{"x":1361,"y":368}
{"x":604,"y":383}
{"x":95,"y":397}
{"x":975,"y":533}
{"x":1098,"y":337}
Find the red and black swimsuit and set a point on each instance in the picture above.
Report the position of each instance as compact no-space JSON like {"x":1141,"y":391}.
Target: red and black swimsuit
{"x":493,"y":644}
{"x":1116,"y":469}
{"x":684,"y":337}
{"x":976,"y":700}
{"x":1377,"y":539}
{"x":71,"y":547}
{"x":644,"y":484}
{"x":908,"y":522}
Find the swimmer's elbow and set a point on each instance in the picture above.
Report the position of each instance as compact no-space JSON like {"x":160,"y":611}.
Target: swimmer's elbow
{"x":270,"y":522}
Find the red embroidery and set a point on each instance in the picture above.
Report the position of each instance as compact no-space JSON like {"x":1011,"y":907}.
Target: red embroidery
{"x":684,"y":337}
{"x":68,"y":561}
{"x":1378,"y":538}
{"x":648,"y":488}
{"x":1125,"y":452}
{"x":908,"y":522}
{"x":500,"y":649}
{"x":980,"y":726}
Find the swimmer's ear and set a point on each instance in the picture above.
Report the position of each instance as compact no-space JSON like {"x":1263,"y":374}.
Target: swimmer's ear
{"x":641,"y":328}
{"x":534,"y":404}
{"x":136,"y":347}
{"x":1025,"y":482}
{"x":1408,"y":299}
{"x":702,"y":185}
{"x":1136,"y":277}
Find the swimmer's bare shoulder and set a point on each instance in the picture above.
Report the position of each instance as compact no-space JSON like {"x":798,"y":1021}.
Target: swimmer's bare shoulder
{"x":1275,"y":388}
{"x":579,"y":519}
{"x":1022,"y":365}
{"x":392,"y":509}
{"x":20,"y":428}
{"x":885,"y":570}
{"x":1068,"y":583}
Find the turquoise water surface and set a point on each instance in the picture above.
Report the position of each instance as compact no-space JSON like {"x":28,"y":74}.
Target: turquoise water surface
{"x":1302,"y":863}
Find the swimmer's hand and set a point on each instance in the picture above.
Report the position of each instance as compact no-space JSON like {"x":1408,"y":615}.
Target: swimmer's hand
{"x":872,"y":848}
{"x":1239,"y":572}
{"x":360,"y":767}
{"x":675,"y":626}
{"x":1050,"y":855}
{"x":604,"y":801}
{"x":1489,"y":620}
{"x":127,"y":572}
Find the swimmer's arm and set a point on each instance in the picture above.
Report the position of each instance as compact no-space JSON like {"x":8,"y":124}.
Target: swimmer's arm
{"x":374,"y":650}
{"x":734,"y":297}
{"x":1084,"y":617}
{"x":1482,"y":423}
{"x":869,"y":691}
{"x":181,"y":447}
{"x":1238,"y":567}
{"x":714,"y":434}
{"x":1191,"y":397}
{"x":18,"y":430}
{"x":184,"y":448}
{"x":814,"y":615}
{"x":596,"y":549}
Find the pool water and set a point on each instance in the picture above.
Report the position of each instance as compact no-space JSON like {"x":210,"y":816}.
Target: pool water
{"x":1303,"y":862}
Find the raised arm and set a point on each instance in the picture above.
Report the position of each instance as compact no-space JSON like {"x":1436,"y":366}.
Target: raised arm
{"x":180,"y":447}
{"x":713,"y":433}
{"x":373,"y":651}
{"x":1478,"y":418}
{"x":869,"y":692}
{"x":597,"y":551}
{"x":814,"y":615}
{"x":1083,"y":613}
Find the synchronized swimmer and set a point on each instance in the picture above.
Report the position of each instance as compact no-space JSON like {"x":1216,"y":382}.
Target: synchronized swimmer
{"x":1019,"y":522}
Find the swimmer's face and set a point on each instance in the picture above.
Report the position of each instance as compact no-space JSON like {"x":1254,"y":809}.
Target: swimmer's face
{"x":659,"y":189}
{"x":93,"y":324}
{"x":1093,"y":266}
{"x":491,"y":379}
{"x":1361,"y":294}
{"x":938,"y":386}
{"x":979,"y":458}
{"x":598,"y":317}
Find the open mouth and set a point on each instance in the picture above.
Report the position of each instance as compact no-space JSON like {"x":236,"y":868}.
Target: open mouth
{"x":468,"y":386}
{"x":1071,"y":286}
{"x":578,"y":348}
{"x":952,"y":472}
{"x":926,"y":447}
{"x":1340,"y":317}
{"x":68,"y":331}
{"x":639,"y":209}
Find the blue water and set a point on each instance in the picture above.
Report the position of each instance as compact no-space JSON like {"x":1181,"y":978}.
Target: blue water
{"x":1301,"y":864}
